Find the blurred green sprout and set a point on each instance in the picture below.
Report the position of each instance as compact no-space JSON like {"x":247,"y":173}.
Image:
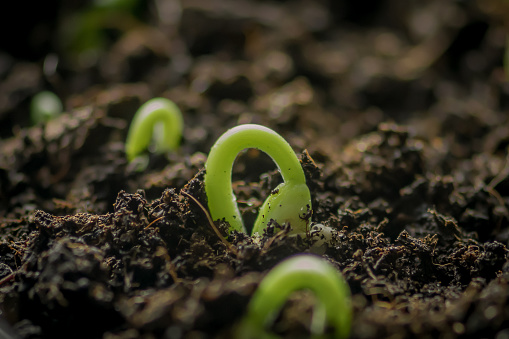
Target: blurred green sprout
{"x":158,"y":119}
{"x":333,"y":302}
{"x":45,"y":106}
{"x":85,"y":33}
{"x":289,"y":203}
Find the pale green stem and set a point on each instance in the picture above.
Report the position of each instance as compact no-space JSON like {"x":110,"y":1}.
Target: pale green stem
{"x":300,"y":272}
{"x":149,"y":115}
{"x":290,"y":201}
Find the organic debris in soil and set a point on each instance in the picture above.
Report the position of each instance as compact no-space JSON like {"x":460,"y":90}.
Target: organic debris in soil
{"x":157,"y":268}
{"x":418,"y":209}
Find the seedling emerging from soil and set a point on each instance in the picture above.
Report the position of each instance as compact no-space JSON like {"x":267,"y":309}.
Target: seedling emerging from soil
{"x":44,"y":107}
{"x":158,"y":117}
{"x":290,"y":202}
{"x":297,"y":273}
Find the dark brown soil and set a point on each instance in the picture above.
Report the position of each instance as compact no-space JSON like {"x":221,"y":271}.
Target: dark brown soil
{"x":397,"y":109}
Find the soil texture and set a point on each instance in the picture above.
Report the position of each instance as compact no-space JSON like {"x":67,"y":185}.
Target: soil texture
{"x":397,"y":110}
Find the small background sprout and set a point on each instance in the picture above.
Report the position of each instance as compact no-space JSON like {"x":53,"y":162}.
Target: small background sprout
{"x":45,"y":106}
{"x":296,"y":273}
{"x":290,"y":202}
{"x":84,"y":35}
{"x":159,"y":119}
{"x":506,"y":57}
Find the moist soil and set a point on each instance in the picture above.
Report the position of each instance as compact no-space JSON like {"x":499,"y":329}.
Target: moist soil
{"x":397,"y":111}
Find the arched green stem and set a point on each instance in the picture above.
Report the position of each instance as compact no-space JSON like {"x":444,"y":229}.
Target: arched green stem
{"x":297,"y":273}
{"x":290,"y":202}
{"x":157,"y":111}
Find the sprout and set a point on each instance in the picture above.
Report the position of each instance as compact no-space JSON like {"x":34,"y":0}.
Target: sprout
{"x":290,"y":202}
{"x":45,"y":106}
{"x":158,"y":116}
{"x":297,"y":273}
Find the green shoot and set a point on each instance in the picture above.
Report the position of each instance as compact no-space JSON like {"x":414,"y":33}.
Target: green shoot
{"x":45,"y":106}
{"x":84,"y":34}
{"x":297,"y":273}
{"x":152,"y":114}
{"x":290,"y":202}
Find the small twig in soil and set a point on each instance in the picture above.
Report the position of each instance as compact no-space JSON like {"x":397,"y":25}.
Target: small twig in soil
{"x":500,"y":176}
{"x":8,"y":278}
{"x":153,"y":222}
{"x":271,"y":240}
{"x":11,"y":275}
{"x":169,"y":265}
{"x":211,"y":222}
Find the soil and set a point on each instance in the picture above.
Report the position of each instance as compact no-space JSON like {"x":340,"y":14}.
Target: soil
{"x":397,"y":110}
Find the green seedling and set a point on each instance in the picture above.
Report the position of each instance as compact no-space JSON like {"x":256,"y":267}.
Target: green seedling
{"x":44,"y":107}
{"x":85,"y":34}
{"x":289,"y":203}
{"x":158,"y":117}
{"x":300,"y":272}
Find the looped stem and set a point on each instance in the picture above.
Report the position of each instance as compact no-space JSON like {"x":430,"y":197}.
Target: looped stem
{"x":152,"y":113}
{"x":297,"y":273}
{"x":290,"y":201}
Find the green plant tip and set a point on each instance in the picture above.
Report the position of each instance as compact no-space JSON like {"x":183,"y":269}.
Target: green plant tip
{"x":45,"y":106}
{"x":290,"y":202}
{"x":300,"y":272}
{"x":155,"y":113}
